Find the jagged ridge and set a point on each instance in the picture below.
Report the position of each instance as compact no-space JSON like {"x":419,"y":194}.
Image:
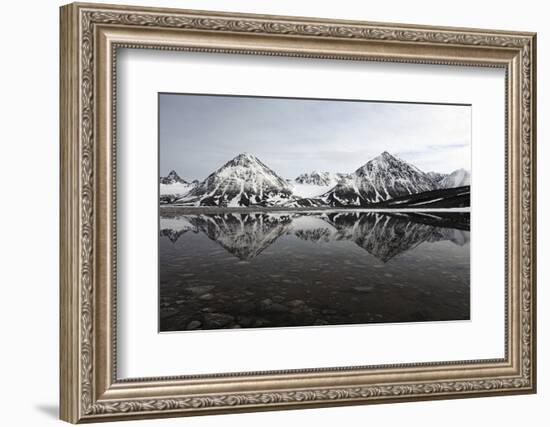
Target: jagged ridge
{"x":382,"y":178}
{"x":246,"y":181}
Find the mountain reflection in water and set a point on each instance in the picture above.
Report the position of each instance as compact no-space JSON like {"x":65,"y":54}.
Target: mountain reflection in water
{"x":303,"y":268}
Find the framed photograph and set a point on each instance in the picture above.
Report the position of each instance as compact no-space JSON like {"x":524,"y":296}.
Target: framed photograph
{"x":266,"y":212}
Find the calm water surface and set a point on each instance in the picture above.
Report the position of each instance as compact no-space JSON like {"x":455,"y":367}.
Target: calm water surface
{"x":249,"y":270}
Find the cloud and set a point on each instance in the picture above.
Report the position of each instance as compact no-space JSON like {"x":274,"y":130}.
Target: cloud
{"x":200,"y":133}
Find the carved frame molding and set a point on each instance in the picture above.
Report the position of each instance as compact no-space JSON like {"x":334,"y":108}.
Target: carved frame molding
{"x":90,"y":35}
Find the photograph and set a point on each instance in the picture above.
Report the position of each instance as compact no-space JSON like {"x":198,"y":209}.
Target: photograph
{"x":281,"y":212}
{"x":267,"y":210}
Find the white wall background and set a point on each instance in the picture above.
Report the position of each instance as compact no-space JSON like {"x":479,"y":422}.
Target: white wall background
{"x":29,"y":170}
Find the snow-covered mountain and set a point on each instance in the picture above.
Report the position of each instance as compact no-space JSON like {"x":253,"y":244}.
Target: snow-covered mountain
{"x":243,"y":181}
{"x":381,"y":178}
{"x":172,"y":178}
{"x":172,"y":187}
{"x":314,"y":184}
{"x":458,"y":178}
{"x":437,"y":176}
{"x":247,"y":181}
{"x":318,"y":178}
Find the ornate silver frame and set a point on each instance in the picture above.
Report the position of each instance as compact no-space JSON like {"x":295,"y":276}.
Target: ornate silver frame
{"x":90,"y":36}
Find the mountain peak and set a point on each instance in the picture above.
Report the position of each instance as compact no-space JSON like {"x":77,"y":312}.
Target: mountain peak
{"x":318,"y":178}
{"x":460,"y":171}
{"x":245,"y":156}
{"x":383,"y":161}
{"x":244,"y":180}
{"x":386,"y":157}
{"x":382,"y":178}
{"x":457,"y":178}
{"x":172,"y":178}
{"x":244,"y":159}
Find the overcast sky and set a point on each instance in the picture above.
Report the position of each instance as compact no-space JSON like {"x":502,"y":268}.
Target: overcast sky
{"x":199,"y":133}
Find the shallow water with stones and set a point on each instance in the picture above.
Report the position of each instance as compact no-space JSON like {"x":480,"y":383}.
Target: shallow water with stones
{"x":263,"y":269}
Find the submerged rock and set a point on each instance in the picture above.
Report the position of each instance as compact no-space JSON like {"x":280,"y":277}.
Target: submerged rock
{"x":206,"y":297}
{"x":218,"y":320}
{"x":296,"y":303}
{"x":194,"y":324}
{"x":198,"y":290}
